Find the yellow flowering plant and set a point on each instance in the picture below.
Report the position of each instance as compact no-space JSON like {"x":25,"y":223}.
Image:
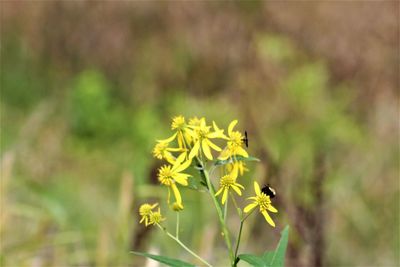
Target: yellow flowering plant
{"x":195,"y":143}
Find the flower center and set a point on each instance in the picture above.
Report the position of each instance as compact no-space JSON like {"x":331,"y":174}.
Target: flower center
{"x":227,"y":181}
{"x":155,"y":217}
{"x":159,"y":150}
{"x":264,"y":201}
{"x":178,"y":123}
{"x":145,"y":210}
{"x":165,"y":175}
{"x":236,"y":139}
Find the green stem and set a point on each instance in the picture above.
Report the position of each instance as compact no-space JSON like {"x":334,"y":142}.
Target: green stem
{"x":226,"y":208}
{"x":239,"y":236}
{"x":225,"y":231}
{"x":239,"y":211}
{"x":177,"y":224}
{"x":183,"y":246}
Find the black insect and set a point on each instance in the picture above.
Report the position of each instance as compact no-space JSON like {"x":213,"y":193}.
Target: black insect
{"x":245,"y":139}
{"x":269,"y":191}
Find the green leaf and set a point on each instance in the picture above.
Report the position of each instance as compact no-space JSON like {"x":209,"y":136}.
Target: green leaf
{"x":253,"y":260}
{"x":194,"y":183}
{"x":236,"y":158}
{"x":267,"y":257}
{"x":165,"y":260}
{"x":278,"y":259}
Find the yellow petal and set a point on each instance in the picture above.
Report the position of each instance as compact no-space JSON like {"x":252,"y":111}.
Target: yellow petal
{"x":268,"y":218}
{"x":219,"y":134}
{"x":224,"y":155}
{"x":181,"y":178}
{"x":154,"y":205}
{"x":216,"y":127}
{"x":178,"y":161}
{"x":219,"y":191}
{"x":195,"y":150}
{"x":257,"y":188}
{"x":142,"y":219}
{"x":237,"y":190}
{"x":231,"y":126}
{"x":272,"y":209}
{"x":169,"y":139}
{"x":250,"y":207}
{"x":183,"y":166}
{"x":177,"y":194}
{"x":239,"y":185}
{"x":213,"y":146}
{"x":240,"y":151}
{"x":206,"y":149}
{"x":234,"y":172}
{"x":224,"y":196}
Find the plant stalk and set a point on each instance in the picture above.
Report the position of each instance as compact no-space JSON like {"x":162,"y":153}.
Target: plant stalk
{"x":184,"y":246}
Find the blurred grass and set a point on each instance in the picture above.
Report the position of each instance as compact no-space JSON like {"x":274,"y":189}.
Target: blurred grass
{"x":78,"y":125}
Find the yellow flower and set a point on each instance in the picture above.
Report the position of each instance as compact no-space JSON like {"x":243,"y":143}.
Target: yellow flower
{"x":156,"y":217}
{"x":234,"y":144}
{"x":177,"y":207}
{"x":264,"y":202}
{"x":162,"y":151}
{"x":237,"y":164}
{"x":145,"y":211}
{"x":183,"y":132}
{"x":170,"y":175}
{"x":201,"y":136}
{"x":194,"y":122}
{"x":227,"y":182}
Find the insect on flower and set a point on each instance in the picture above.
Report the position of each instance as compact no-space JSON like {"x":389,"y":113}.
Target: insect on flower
{"x":269,"y":191}
{"x":245,"y":139}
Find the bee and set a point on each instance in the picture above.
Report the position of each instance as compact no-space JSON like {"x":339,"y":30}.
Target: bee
{"x":245,"y":139}
{"x":269,"y":191}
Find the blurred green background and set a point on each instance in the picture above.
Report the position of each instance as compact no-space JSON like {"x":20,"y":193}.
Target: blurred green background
{"x":87,"y":87}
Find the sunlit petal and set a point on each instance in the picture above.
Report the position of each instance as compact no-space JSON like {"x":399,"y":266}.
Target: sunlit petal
{"x":240,"y":151}
{"x":257,"y":188}
{"x":237,"y":190}
{"x":272,"y":209}
{"x":181,"y":178}
{"x":177,"y":194}
{"x":224,"y":196}
{"x":195,"y":150}
{"x":169,"y":139}
{"x":231,"y":126}
{"x":183,"y":166}
{"x":268,"y":218}
{"x":219,"y":191}
{"x":213,"y":146}
{"x":250,"y":207}
{"x":206,"y":149}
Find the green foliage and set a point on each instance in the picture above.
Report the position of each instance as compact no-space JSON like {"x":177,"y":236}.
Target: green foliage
{"x":270,"y":258}
{"x":92,"y":111}
{"x":219,"y":162}
{"x":168,"y":261}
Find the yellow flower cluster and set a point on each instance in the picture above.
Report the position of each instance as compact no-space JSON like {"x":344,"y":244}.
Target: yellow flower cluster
{"x":149,"y":216}
{"x":196,"y":141}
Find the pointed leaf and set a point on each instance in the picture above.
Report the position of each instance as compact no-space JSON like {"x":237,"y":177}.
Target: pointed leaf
{"x":236,"y":158}
{"x":267,"y":257}
{"x":278,"y":260}
{"x":168,"y":261}
{"x":252,"y":259}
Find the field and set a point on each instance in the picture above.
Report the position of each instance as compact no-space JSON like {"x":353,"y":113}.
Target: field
{"x":88,"y":87}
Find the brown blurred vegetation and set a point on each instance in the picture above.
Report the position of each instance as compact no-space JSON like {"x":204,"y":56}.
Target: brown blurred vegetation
{"x":316,"y":84}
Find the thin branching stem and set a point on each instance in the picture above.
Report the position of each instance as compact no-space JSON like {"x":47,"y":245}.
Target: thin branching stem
{"x":184,"y":246}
